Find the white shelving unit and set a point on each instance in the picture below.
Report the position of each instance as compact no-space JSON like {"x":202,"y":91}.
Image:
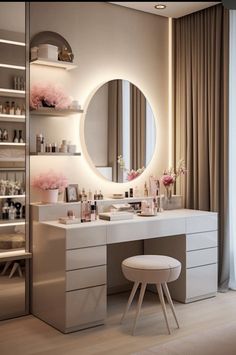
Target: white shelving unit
{"x":12,"y":118}
{"x":12,"y":93}
{"x":11,"y":196}
{"x":11,"y":144}
{"x":54,"y":63}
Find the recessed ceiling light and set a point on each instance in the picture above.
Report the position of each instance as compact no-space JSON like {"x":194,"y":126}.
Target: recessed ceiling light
{"x":160,"y":6}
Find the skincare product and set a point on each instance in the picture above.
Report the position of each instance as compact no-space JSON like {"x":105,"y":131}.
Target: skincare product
{"x":84,"y":196}
{"x":145,"y":190}
{"x":90,"y":195}
{"x":12,"y":108}
{"x":95,"y":195}
{"x":136,"y":192}
{"x":20,"y":137}
{"x":38,"y":142}
{"x":100,"y":195}
{"x":126,"y":194}
{"x":93,"y":212}
{"x":131,"y":194}
{"x":15,"y":138}
{"x":5,"y":135}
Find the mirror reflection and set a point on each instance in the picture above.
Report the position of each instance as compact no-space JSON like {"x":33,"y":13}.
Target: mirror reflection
{"x":120,"y":132}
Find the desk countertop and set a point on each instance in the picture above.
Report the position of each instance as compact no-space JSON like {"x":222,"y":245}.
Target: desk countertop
{"x":173,"y":214}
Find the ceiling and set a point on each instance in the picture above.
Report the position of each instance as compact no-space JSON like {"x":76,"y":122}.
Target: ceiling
{"x":173,"y":9}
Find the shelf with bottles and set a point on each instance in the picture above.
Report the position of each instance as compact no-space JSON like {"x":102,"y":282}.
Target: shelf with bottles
{"x":11,"y":223}
{"x":12,"y":110}
{"x":14,"y":255}
{"x":12,"y":118}
{"x":11,"y":196}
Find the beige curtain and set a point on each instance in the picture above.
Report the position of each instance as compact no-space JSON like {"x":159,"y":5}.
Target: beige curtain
{"x":115,"y":128}
{"x":201,"y":115}
{"x":137,"y":128}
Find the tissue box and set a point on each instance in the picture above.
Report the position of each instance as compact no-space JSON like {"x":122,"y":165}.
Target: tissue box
{"x":48,"y":51}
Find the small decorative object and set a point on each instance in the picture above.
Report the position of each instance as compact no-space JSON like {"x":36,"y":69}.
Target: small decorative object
{"x":169,"y":177}
{"x":50,"y":184}
{"x":72,"y":193}
{"x":48,"y":95}
{"x":48,"y":51}
{"x":131,"y":174}
{"x":71,"y":214}
{"x":18,"y":209}
{"x":65,"y":55}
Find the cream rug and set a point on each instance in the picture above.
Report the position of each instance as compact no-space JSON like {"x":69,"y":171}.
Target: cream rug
{"x":216,"y":341}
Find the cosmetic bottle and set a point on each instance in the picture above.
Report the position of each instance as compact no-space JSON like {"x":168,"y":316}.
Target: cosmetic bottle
{"x":64,"y":146}
{"x":93,"y":212}
{"x":84,"y":196}
{"x":42,"y":145}
{"x":145,"y":190}
{"x":1,"y":134}
{"x":7,"y":107}
{"x":155,"y":206}
{"x":54,"y":147}
{"x":20,"y":137}
{"x":136,"y":191}
{"x":5,"y":135}
{"x":12,"y":108}
{"x":83,"y":211}
{"x":131,"y":194}
{"x":100,"y":195}
{"x":18,"y":111}
{"x":15,"y":138}
{"x":126,"y":194}
{"x":12,"y":212}
{"x":90,"y":195}
{"x":1,"y":107}
{"x":95,"y":195}
{"x":39,"y":137}
{"x":88,"y":212}
{"x":96,"y":210}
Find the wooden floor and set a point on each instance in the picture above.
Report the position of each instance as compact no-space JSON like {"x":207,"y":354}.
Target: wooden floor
{"x":28,"y":335}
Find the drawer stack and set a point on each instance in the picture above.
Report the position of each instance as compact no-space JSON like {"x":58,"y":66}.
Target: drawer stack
{"x":85,"y":277}
{"x":197,"y":250}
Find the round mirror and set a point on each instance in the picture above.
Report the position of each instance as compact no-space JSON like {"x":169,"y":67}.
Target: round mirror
{"x":120,"y":131}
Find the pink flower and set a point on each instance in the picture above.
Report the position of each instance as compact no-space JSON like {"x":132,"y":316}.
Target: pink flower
{"x":49,"y":95}
{"x":50,"y":181}
{"x":167,"y":180}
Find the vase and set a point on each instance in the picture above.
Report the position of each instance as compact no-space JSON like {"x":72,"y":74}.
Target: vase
{"x":169,"y":192}
{"x":49,"y":196}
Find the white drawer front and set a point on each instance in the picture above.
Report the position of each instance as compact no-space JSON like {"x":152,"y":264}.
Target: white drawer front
{"x":83,"y":278}
{"x":144,"y":228}
{"x":202,"y":223}
{"x":85,"y":306}
{"x":201,"y":240}
{"x":201,"y":281}
{"x":201,"y":257}
{"x":87,"y":257}
{"x":85,"y":237}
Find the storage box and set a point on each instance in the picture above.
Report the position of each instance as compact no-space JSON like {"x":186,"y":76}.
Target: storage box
{"x":48,"y":51}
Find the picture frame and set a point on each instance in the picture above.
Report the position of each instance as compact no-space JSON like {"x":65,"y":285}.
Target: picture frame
{"x":72,"y":193}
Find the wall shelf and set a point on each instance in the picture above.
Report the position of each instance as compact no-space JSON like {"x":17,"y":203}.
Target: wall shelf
{"x":12,"y":118}
{"x":11,"y":196}
{"x":9,"y":223}
{"x":46,"y":111}
{"x":14,"y":255}
{"x":11,"y":159}
{"x":11,"y":144}
{"x":11,"y":66}
{"x":12,"y":93}
{"x":55,"y":154}
{"x":54,"y":63}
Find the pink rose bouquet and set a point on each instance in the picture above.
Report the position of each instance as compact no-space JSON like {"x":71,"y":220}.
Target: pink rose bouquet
{"x":169,"y":176}
{"x":48,"y":95}
{"x":133,"y":174}
{"x":50,"y":181}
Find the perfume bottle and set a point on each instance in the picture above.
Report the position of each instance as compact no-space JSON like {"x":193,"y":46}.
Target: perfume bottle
{"x":12,"y":108}
{"x":21,"y":140}
{"x":5,"y":135}
{"x":145,"y":190}
{"x":15,"y":138}
{"x":95,"y":197}
{"x":84,"y":196}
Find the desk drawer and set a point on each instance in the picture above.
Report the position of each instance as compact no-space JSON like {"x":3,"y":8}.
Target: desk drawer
{"x":86,"y":257}
{"x":201,"y":281}
{"x":201,"y":257}
{"x":85,"y":306}
{"x":201,"y":240}
{"x":85,"y":237}
{"x":83,"y":278}
{"x":202,"y":223}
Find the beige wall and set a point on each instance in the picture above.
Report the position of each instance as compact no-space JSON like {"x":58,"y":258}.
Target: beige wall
{"x":109,"y":42}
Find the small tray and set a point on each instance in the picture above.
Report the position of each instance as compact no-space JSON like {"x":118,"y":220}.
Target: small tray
{"x":146,"y":215}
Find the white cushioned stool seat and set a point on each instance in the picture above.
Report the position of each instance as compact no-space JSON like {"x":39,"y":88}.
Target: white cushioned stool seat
{"x":153,"y":269}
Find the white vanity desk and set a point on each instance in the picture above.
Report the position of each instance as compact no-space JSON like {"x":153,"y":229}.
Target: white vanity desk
{"x":70,"y":261}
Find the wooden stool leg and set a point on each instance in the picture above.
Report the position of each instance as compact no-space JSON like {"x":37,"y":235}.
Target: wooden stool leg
{"x":160,"y":293}
{"x":167,"y":293}
{"x":6,"y":266}
{"x":131,"y":297}
{"x":140,"y":301}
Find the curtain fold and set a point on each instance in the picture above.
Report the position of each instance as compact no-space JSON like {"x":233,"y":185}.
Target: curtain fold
{"x":115,"y":127}
{"x":201,"y":116}
{"x":137,"y":128}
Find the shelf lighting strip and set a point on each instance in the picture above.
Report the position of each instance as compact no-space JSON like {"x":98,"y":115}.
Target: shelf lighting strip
{"x":9,"y":66}
{"x":22,"y":44}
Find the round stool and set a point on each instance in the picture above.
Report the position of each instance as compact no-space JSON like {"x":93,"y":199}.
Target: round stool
{"x":153,"y":269}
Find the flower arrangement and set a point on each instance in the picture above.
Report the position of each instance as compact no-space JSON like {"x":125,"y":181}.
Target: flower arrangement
{"x":169,"y":176}
{"x":48,"y":95}
{"x":131,"y":174}
{"x":50,"y":181}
